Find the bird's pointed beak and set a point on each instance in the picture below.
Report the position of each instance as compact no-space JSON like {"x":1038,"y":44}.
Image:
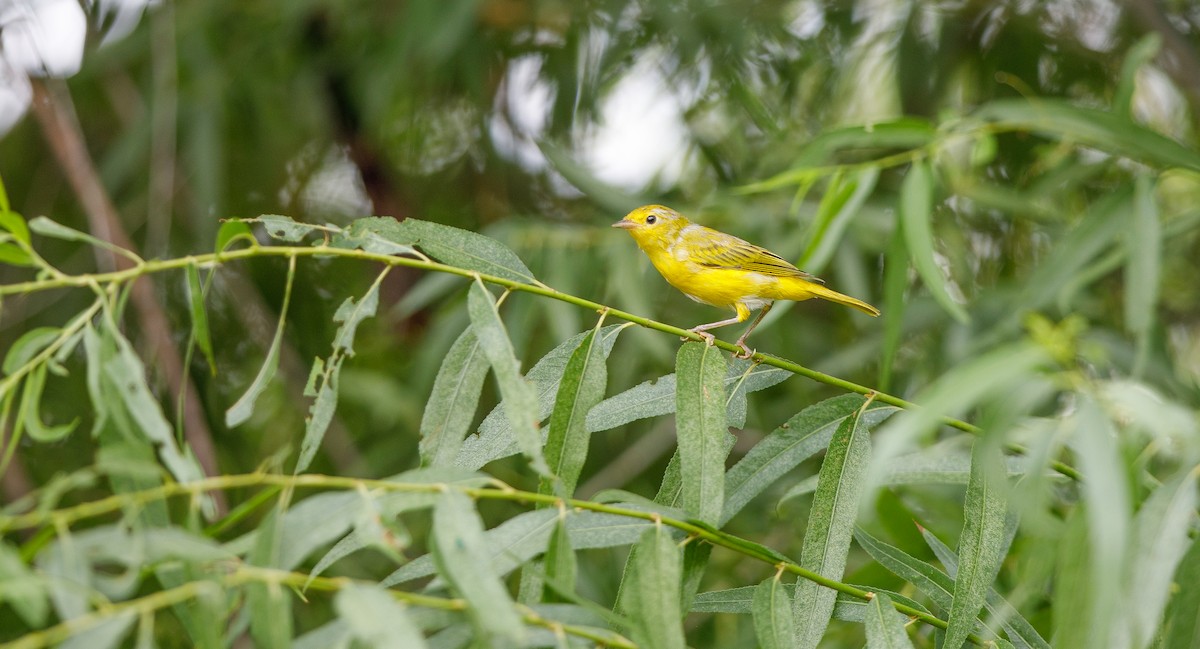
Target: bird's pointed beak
{"x":625,"y":224}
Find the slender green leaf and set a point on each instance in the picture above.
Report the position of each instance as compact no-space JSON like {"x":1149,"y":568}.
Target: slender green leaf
{"x":241,"y":410}
{"x":916,"y":216}
{"x":584,"y":381}
{"x":1073,"y":610}
{"x":270,"y":603}
{"x":1182,"y":627}
{"x":24,"y":590}
{"x":14,"y":223}
{"x":929,"y":580}
{"x":657,"y":571}
{"x":14,"y":255}
{"x":982,"y":544}
{"x":108,"y":633}
{"x":460,"y":550}
{"x":350,"y":314}
{"x":1022,"y":634}
{"x":28,"y":345}
{"x":1142,"y":53}
{"x":1106,"y":493}
{"x":1100,"y":129}
{"x":380,"y":235}
{"x":285,"y":228}
{"x":884,"y":629}
{"x":376,"y":619}
{"x":48,"y":228}
{"x":495,"y":439}
{"x":520,"y":397}
{"x":772,"y":611}
{"x":31,"y":418}
{"x":839,"y":206}
{"x":1143,"y":267}
{"x":701,"y":428}
{"x":464,"y":249}
{"x":830,"y":527}
{"x":560,"y":562}
{"x":200,"y":317}
{"x":740,"y":601}
{"x":231,"y":231}
{"x":452,"y":402}
{"x":895,"y":281}
{"x":1159,"y":543}
{"x":932,"y":467}
{"x":798,"y":439}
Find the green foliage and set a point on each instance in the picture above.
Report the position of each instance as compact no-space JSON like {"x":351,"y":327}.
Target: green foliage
{"x":1022,"y":473}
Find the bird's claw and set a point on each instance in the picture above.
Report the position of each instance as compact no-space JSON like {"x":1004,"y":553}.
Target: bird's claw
{"x":747,"y":351}
{"x":709,"y":339}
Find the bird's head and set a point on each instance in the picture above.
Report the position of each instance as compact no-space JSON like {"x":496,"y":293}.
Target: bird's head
{"x":651,"y":224}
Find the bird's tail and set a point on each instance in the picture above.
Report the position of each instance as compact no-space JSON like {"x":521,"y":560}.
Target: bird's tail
{"x":833,"y":296}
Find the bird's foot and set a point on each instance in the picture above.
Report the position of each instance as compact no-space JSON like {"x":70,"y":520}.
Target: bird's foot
{"x":746,"y":351}
{"x":709,"y":339}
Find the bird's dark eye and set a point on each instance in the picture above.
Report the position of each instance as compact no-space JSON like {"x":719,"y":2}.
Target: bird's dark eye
{"x":650,"y":220}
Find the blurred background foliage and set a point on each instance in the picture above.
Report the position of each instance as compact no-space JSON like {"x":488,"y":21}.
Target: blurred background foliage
{"x":540,"y":122}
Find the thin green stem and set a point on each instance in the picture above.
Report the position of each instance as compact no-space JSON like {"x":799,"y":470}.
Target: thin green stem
{"x":293,"y":252}
{"x":503,"y":492}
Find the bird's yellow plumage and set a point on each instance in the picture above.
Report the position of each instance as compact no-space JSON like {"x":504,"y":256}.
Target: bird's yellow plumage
{"x":722,"y":270}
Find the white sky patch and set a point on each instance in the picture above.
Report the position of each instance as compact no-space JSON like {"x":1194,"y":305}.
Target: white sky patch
{"x":641,"y":135}
{"x":43,"y":39}
{"x":525,"y":100}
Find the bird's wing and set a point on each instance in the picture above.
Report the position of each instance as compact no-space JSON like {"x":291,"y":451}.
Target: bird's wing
{"x":715,"y":249}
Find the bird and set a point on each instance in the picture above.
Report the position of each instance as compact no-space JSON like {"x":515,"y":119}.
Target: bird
{"x":719,"y":269}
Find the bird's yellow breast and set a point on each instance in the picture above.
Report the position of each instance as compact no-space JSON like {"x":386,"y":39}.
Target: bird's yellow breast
{"x":721,"y":287}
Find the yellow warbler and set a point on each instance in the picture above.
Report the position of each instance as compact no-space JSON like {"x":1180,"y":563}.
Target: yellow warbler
{"x":722,"y":270}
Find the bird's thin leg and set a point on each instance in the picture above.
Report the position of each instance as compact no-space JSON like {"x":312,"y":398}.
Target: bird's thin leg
{"x":742,"y":314}
{"x":741,"y":342}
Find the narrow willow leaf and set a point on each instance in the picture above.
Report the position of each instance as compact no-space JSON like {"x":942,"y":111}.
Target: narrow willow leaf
{"x":350,"y":314}
{"x":884,"y":629}
{"x":1019,"y":630}
{"x":750,"y":377}
{"x":13,"y":222}
{"x":520,"y":399}
{"x":657,"y":396}
{"x":332,"y":635}
{"x":916,"y":216}
{"x":1060,"y":120}
{"x":1182,"y":627}
{"x":28,"y":345}
{"x":560,"y":563}
{"x":804,"y":435}
{"x":380,"y":235}
{"x":65,"y":568}
{"x":104,"y":635}
{"x":23,"y":590}
{"x":48,"y":228}
{"x":461,"y":551}
{"x":452,"y":402}
{"x":839,"y":206}
{"x":376,"y":619}
{"x":241,"y":410}
{"x":1143,"y":267}
{"x":31,"y":398}
{"x":464,"y":249}
{"x":1106,"y":493}
{"x":1074,"y":595}
{"x":126,"y":376}
{"x":929,"y":580}
{"x":740,"y":601}
{"x":1136,"y":57}
{"x":200,"y":317}
{"x":231,"y":231}
{"x":772,"y":611}
{"x":701,"y":428}
{"x":584,"y":381}
{"x":495,"y":439}
{"x":1160,"y":542}
{"x":957,"y":390}
{"x":982,"y":543}
{"x":933,"y":467}
{"x":657,"y":573}
{"x":830,"y":527}
{"x":285,"y":228}
{"x":895,"y":281}
{"x":14,"y":255}
{"x":270,"y":603}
